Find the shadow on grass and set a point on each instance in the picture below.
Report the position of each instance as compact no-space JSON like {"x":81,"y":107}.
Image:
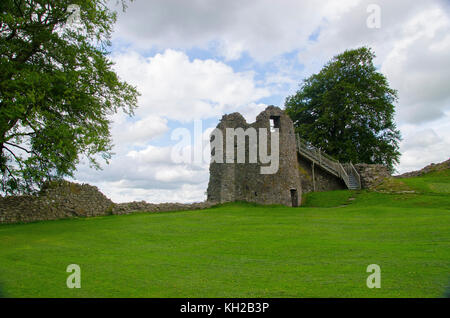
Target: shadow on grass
{"x":447,"y":291}
{"x":2,"y":294}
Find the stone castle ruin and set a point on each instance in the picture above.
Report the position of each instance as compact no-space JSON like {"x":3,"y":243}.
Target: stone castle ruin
{"x":301,"y":167}
{"x":244,"y":181}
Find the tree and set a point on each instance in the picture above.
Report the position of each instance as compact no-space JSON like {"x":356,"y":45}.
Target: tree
{"x":57,"y":89}
{"x":347,"y":110}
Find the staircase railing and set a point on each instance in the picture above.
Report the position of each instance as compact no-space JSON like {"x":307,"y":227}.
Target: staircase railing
{"x":328,"y":163}
{"x":356,"y":174}
{"x":344,"y":175}
{"x":351,"y":170}
{"x":319,"y":157}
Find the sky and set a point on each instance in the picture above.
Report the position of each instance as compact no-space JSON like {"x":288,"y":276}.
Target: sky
{"x":194,"y":61}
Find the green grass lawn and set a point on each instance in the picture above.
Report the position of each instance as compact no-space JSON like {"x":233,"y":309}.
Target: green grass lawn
{"x":242,"y":250}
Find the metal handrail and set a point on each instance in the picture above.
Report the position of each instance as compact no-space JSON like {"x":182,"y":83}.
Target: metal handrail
{"x":329,"y":163}
{"x":355,"y":172}
{"x":344,"y":175}
{"x":319,"y":156}
{"x":311,"y":147}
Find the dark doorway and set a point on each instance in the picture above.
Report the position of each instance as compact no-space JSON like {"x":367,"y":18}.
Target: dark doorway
{"x":294,"y":198}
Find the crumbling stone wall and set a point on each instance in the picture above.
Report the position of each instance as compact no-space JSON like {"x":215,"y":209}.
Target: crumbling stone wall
{"x":142,"y":206}
{"x":63,"y":199}
{"x":371,"y":174}
{"x":56,"y":200}
{"x":323,"y":180}
{"x":243,"y":181}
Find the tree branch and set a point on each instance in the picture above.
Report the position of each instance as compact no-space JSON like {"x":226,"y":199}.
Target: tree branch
{"x":20,"y":147}
{"x":14,"y":155}
{"x":10,"y":173}
{"x":19,"y":162}
{"x":18,"y":134}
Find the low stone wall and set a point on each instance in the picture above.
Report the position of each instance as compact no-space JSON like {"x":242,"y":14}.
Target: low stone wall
{"x":63,"y":199}
{"x":56,"y":200}
{"x":142,"y":206}
{"x":371,"y":174}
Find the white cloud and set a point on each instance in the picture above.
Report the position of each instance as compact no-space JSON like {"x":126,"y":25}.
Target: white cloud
{"x":419,"y":67}
{"x":264,"y":28}
{"x":121,"y":192}
{"x":421,"y":139}
{"x":178,"y":174}
{"x":151,"y":174}
{"x":151,"y":154}
{"x":422,"y":146}
{"x":129,"y":131}
{"x":141,"y":175}
{"x":177,"y":88}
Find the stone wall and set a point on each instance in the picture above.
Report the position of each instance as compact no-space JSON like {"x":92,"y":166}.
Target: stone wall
{"x":63,"y":199}
{"x":371,"y":174}
{"x":142,"y":206}
{"x":244,"y":181}
{"x":323,"y":180}
{"x":56,"y":200}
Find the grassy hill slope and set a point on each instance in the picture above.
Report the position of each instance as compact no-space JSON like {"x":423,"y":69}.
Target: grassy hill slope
{"x":243,"y":250}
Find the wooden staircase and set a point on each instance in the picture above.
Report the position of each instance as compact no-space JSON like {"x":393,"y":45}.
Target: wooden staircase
{"x":344,"y":171}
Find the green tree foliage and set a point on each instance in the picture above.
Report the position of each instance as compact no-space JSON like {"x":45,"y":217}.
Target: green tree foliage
{"x":57,"y":89}
{"x":347,"y":110}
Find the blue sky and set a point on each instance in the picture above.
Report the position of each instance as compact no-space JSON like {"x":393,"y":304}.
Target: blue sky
{"x":199,"y":59}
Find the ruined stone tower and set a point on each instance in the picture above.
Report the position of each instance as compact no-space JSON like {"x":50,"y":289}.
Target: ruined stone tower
{"x":244,"y":181}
